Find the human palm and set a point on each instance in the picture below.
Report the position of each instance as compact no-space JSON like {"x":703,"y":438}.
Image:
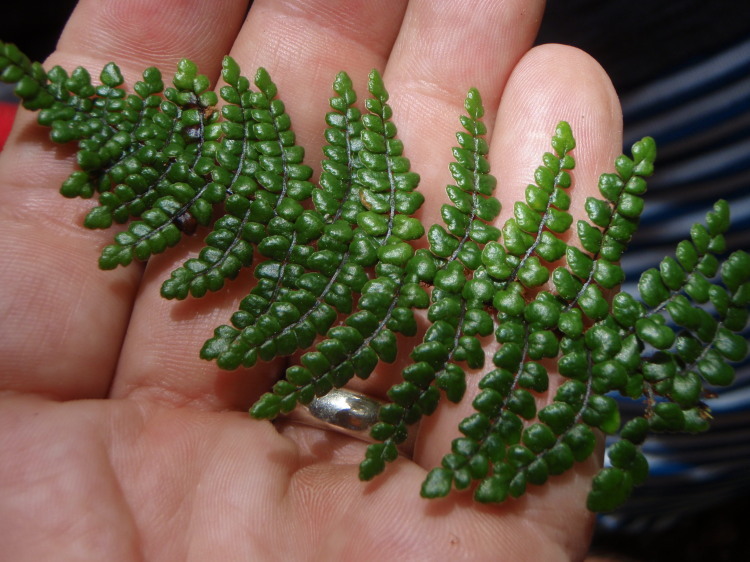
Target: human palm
{"x":119,"y":443}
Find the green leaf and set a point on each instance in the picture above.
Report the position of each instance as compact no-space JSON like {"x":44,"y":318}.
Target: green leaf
{"x":538,"y":437}
{"x":492,"y":490}
{"x":610,"y":488}
{"x":267,"y":407}
{"x":437,"y":484}
{"x":655,"y":332}
{"x":603,"y":413}
{"x":581,"y":441}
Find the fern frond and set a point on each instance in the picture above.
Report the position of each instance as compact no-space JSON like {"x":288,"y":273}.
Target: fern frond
{"x":457,"y":312}
{"x":335,"y":269}
{"x":339,"y":260}
{"x":499,"y":448}
{"x":230,"y":245}
{"x":30,"y":78}
{"x":526,"y":332}
{"x":386,"y":189}
{"x":308,"y":304}
{"x":180,"y":189}
{"x":682,"y":338}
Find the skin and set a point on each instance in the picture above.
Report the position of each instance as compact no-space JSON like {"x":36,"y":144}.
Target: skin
{"x":119,"y":443}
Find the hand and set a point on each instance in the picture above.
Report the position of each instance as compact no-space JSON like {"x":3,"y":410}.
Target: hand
{"x":119,"y":443}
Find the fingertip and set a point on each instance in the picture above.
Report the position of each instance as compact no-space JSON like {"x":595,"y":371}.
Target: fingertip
{"x":141,"y":33}
{"x":565,"y":80}
{"x":554,"y":83}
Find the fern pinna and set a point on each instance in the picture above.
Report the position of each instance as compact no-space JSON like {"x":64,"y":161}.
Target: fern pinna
{"x":345,"y":265}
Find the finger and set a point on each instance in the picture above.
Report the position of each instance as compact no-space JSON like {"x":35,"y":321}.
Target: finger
{"x":302,"y":45}
{"x":551,"y":83}
{"x":63,"y":320}
{"x":444,"y":49}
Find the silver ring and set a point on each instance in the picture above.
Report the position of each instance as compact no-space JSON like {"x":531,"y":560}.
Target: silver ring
{"x":347,"y":412}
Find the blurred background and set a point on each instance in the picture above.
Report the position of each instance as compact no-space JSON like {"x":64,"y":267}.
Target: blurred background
{"x":682,"y":69}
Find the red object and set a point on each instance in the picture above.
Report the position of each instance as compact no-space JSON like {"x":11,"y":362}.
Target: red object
{"x":7,"y":115}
